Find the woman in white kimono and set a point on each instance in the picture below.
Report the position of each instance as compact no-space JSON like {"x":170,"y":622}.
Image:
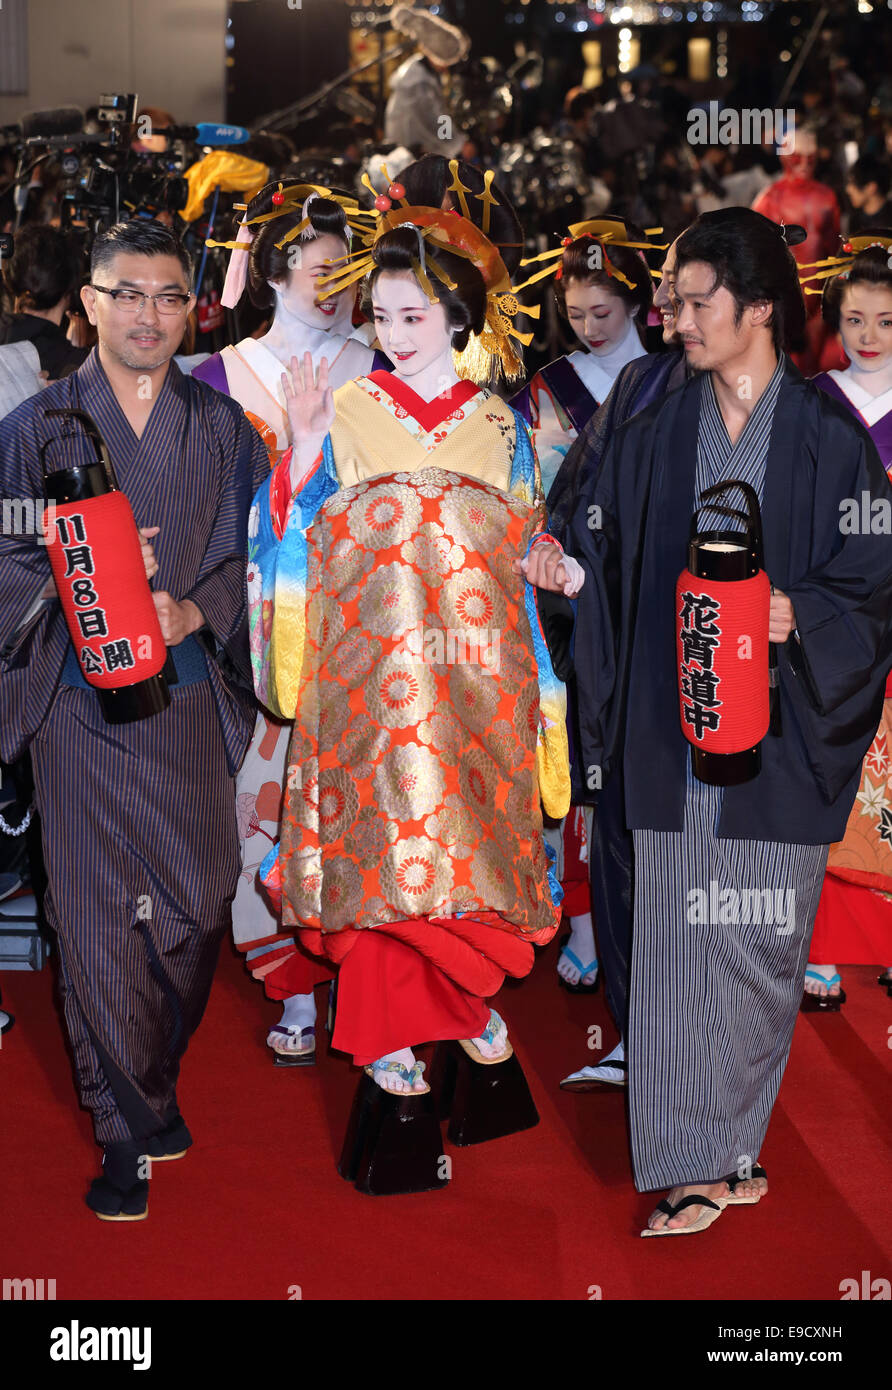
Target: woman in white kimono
{"x":284,"y":279}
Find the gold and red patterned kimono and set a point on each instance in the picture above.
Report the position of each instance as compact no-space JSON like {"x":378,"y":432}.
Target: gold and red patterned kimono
{"x":388,"y":621}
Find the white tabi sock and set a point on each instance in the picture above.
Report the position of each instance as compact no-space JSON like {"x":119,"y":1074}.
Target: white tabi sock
{"x":298,"y":1012}
{"x":617,"y":1055}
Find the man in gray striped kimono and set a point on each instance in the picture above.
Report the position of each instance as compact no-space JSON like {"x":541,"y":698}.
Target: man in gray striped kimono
{"x":138,"y":819}
{"x":716,"y":980}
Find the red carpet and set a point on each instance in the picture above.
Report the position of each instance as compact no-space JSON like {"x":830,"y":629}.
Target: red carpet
{"x":256,"y":1207}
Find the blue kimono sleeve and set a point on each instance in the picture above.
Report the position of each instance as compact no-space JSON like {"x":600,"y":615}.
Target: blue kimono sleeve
{"x":277,"y":587}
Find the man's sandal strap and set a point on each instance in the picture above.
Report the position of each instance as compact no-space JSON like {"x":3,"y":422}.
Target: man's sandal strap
{"x":696,"y":1199}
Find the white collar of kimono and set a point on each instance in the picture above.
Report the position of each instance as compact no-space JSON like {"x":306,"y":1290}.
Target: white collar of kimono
{"x":871,"y":408}
{"x":597,"y":372}
{"x":319,"y":342}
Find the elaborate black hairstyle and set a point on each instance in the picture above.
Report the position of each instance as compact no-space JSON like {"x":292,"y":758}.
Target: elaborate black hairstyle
{"x":577,"y":264}
{"x":752,"y":260}
{"x":266,"y":260}
{"x":426,"y":182}
{"x":870,"y":267}
{"x":465,"y":305}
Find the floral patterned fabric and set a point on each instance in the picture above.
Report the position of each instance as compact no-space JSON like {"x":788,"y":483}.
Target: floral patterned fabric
{"x":414,"y":751}
{"x":428,"y":719}
{"x":864,"y":855}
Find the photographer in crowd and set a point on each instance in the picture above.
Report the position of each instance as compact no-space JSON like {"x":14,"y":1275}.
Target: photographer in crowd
{"x":39,"y":282}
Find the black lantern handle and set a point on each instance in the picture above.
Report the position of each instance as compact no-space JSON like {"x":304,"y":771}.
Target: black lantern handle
{"x":752,"y":517}
{"x":92,"y":431}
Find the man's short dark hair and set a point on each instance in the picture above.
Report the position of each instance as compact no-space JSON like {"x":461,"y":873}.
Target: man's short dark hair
{"x":752,"y":261}
{"x":139,"y":238}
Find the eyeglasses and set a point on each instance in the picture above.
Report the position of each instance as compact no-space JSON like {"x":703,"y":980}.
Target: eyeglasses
{"x":130,"y":301}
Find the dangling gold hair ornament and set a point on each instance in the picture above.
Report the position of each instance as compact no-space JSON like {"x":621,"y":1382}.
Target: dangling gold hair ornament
{"x":286,"y":199}
{"x":604,"y":232}
{"x":457,"y":233}
{"x":833,"y":266}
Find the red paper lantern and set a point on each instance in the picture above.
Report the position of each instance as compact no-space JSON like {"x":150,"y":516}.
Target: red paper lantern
{"x":722,"y":603}
{"x":96,"y":559}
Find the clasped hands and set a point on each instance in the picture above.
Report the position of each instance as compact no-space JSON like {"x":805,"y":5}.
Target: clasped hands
{"x":549,"y":568}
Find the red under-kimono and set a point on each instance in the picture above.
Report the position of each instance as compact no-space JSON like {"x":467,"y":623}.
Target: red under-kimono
{"x":412,"y":853}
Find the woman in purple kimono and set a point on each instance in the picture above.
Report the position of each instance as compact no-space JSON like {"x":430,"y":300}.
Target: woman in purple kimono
{"x":854,"y":920}
{"x":603,"y":289}
{"x":283,"y":279}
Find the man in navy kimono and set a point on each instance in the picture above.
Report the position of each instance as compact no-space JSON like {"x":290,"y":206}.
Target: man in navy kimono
{"x":610,"y":850}
{"x":715,"y":994}
{"x":138,"y":819}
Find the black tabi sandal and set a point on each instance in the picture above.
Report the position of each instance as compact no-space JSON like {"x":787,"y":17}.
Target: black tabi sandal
{"x":169,"y":1143}
{"x":734,"y":1180}
{"x":712,"y":1211}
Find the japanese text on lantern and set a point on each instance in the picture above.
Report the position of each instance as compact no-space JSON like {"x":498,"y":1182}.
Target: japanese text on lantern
{"x":91,"y":619}
{"x":699,"y":635}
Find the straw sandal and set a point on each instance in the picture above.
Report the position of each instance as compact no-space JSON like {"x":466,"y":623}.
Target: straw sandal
{"x":711,"y":1212}
{"x":734,"y":1180}
{"x":489,"y":1032}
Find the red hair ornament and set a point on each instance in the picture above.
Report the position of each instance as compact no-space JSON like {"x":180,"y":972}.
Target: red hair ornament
{"x":96,"y":559}
{"x":722,"y":605}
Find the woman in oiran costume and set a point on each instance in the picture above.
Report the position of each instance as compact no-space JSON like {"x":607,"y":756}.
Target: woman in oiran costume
{"x":854,"y":919}
{"x":397,"y":627}
{"x":603,"y":288}
{"x":290,"y":235}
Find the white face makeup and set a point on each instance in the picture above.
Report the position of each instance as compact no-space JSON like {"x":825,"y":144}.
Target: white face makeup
{"x":298,"y":295}
{"x":414,"y":333}
{"x":599,"y":318}
{"x":865,"y":326}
